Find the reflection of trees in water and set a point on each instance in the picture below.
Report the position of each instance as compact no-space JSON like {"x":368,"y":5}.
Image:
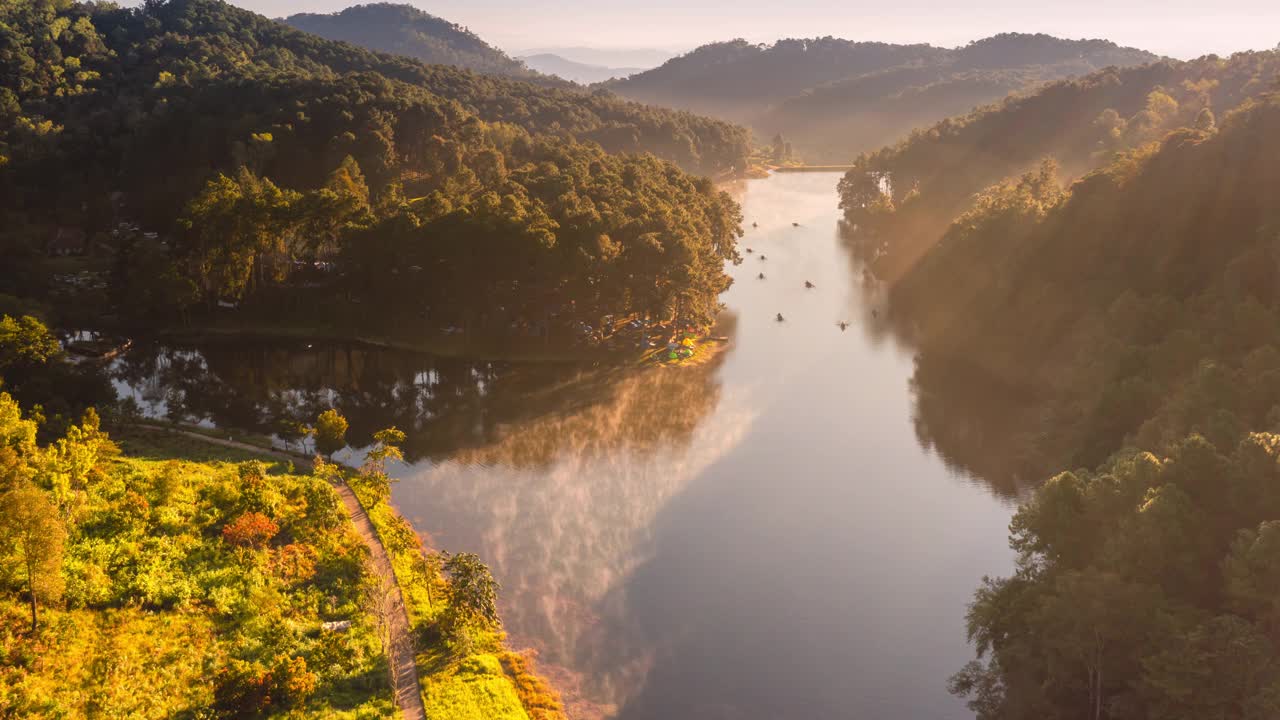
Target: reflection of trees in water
{"x":561,"y":506}
{"x":973,"y":421}
{"x":442,"y":404}
{"x":552,"y":473}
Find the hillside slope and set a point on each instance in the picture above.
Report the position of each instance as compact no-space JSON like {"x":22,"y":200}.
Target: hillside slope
{"x":1138,"y":313}
{"x":577,"y":72}
{"x":406,"y":30}
{"x":934,"y":173}
{"x":216,"y":157}
{"x":834,"y":98}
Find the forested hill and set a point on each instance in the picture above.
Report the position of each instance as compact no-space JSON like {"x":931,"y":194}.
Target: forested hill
{"x":213,"y":156}
{"x":1140,"y":308}
{"x":739,"y":79}
{"x":833,"y":98}
{"x":697,"y":144}
{"x":935,"y":172}
{"x":406,"y":30}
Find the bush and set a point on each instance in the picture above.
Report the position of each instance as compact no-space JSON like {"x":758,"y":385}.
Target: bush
{"x":251,"y":529}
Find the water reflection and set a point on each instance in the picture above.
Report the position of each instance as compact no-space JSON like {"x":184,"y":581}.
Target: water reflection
{"x":974,"y":421}
{"x":447,"y":407}
{"x":780,"y":533}
{"x":562,"y":507}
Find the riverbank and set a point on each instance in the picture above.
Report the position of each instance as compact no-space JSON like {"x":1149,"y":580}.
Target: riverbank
{"x":812,"y":168}
{"x":448,"y":346}
{"x":483,"y":679}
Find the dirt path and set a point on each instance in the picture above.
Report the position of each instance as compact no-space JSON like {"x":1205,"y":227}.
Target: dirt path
{"x":404,"y":671}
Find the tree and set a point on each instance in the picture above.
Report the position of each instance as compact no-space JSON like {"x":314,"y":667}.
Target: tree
{"x":291,"y":432}
{"x":331,"y":432}
{"x":780,"y":149}
{"x":473,"y":593}
{"x":33,"y":534}
{"x":1092,"y":624}
{"x":386,"y":446}
{"x":1224,"y":668}
{"x":26,"y":342}
{"x":252,"y":530}
{"x":1205,"y":120}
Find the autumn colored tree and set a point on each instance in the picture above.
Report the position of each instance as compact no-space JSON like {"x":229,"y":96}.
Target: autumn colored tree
{"x":251,"y":530}
{"x":32,"y":536}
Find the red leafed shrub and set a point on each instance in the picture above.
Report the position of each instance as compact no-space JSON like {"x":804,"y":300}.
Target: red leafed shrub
{"x":251,"y":529}
{"x":295,"y":562}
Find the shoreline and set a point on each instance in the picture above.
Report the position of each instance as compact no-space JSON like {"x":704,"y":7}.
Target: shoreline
{"x":451,"y":346}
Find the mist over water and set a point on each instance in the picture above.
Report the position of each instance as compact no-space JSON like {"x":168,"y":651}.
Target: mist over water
{"x":768,"y":534}
{"x":763,"y":537}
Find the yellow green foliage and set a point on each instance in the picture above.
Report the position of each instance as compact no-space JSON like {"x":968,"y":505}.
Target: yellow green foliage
{"x":469,"y":674}
{"x":474,"y":689}
{"x":161,"y":616}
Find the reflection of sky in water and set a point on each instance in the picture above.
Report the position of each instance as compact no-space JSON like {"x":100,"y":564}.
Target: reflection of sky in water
{"x":799,"y":555}
{"x":563,"y":534}
{"x":760,"y":537}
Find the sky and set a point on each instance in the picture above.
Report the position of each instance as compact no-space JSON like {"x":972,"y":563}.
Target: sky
{"x":1177,"y":28}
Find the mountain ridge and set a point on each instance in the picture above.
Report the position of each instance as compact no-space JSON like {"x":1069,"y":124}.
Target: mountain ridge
{"x":833,"y":98}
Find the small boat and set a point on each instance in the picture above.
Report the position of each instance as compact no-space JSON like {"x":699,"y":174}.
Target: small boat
{"x":779,"y":317}
{"x":749,"y":251}
{"x":755,"y":225}
{"x":808,"y":285}
{"x":761,"y":276}
{"x":843,"y":324}
{"x":795,"y":224}
{"x":762,"y":257}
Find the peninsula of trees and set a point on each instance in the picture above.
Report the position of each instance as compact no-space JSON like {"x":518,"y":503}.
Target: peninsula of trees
{"x":222,"y":159}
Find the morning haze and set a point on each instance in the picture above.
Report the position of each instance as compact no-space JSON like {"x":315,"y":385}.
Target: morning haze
{"x":1182,"y":28}
{"x":498,"y":360}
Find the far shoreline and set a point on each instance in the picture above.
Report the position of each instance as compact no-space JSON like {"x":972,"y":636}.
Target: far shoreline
{"x":494,"y":349}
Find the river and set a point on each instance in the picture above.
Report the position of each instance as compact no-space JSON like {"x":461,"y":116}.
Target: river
{"x":764,"y":536}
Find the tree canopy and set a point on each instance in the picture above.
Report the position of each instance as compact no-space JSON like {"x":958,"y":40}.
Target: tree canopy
{"x":406,"y":30}
{"x":1134,"y":308}
{"x":1084,"y":123}
{"x":221,"y":158}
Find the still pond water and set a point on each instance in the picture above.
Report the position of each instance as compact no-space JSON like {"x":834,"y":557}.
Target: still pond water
{"x":763,"y":536}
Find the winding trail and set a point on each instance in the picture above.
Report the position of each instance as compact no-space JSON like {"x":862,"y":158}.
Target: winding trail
{"x":404,"y":670}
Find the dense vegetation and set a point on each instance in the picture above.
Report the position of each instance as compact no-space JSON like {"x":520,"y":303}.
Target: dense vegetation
{"x":1144,"y":590}
{"x":406,"y":30}
{"x":149,"y":587}
{"x":212,"y":156}
{"x":934,"y":174}
{"x":176,"y":581}
{"x":1137,"y":308}
{"x":834,"y":98}
{"x":1141,"y":301}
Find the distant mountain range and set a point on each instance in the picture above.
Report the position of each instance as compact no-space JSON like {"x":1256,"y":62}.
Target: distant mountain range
{"x":406,"y":30}
{"x":833,"y":98}
{"x":644,"y":58}
{"x":578,"y":72}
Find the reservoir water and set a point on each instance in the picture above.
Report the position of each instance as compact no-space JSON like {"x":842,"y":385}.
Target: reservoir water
{"x":761,"y":536}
